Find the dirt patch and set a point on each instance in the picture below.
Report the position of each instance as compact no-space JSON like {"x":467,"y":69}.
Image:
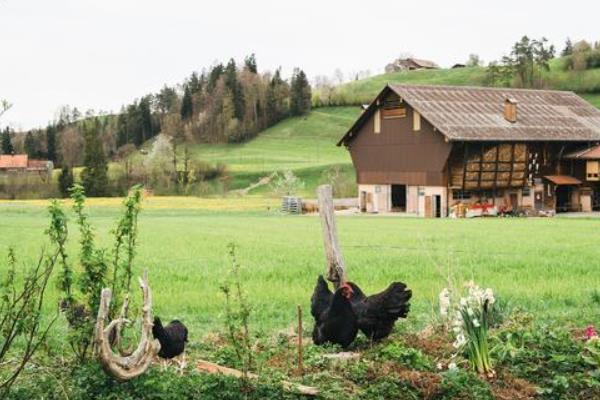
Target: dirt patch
{"x":508,"y":387}
{"x":427,"y":383}
{"x":435,"y":345}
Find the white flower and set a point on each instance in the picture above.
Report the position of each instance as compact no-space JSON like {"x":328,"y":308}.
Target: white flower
{"x":440,"y":366}
{"x":489,"y":296}
{"x":452,"y":366}
{"x":460,"y":341}
{"x":463,"y":302}
{"x":444,"y":299}
{"x":470,"y":312}
{"x":476,"y":323}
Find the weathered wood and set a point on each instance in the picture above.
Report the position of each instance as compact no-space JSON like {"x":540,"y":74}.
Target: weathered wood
{"x":212,"y":368}
{"x":336,"y":270}
{"x":126,"y":367}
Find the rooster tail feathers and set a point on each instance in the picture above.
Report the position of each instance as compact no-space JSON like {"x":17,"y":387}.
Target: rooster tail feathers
{"x":396,"y":300}
{"x":321,"y":297}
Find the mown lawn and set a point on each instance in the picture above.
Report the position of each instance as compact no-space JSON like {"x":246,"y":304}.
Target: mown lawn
{"x":547,"y":266}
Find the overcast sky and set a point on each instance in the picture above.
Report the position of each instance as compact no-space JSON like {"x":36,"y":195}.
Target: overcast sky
{"x":100,"y":54}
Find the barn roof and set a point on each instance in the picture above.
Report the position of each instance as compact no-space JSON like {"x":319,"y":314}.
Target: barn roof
{"x":463,"y":113}
{"x":589,"y":153}
{"x":422,"y":63}
{"x":8,"y":161}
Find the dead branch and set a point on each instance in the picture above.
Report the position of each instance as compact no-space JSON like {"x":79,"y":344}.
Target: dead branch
{"x":336,"y":270}
{"x":212,"y":368}
{"x":126,"y":367}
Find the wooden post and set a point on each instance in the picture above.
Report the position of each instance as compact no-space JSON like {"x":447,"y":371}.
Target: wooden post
{"x":300,"y":367}
{"x":336,"y":271}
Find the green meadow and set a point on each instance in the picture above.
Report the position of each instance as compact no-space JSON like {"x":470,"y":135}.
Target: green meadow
{"x":547,"y":266}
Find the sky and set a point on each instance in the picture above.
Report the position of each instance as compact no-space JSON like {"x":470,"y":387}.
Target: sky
{"x":101,"y":54}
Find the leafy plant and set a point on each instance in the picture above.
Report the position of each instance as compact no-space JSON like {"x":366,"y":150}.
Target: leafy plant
{"x":237,"y":315}
{"x":80,"y":308}
{"x":21,"y":317}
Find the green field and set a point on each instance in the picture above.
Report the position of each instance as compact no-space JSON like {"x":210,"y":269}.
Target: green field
{"x":547,"y":266}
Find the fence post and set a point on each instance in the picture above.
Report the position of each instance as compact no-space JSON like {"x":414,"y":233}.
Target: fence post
{"x":336,"y":270}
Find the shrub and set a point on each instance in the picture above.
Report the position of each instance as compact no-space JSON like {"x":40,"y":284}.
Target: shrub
{"x":65,"y":180}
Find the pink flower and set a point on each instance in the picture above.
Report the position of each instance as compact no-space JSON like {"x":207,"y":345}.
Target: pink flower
{"x":590,"y":332}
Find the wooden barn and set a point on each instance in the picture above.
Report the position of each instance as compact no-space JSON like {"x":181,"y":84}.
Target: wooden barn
{"x":430,"y":150}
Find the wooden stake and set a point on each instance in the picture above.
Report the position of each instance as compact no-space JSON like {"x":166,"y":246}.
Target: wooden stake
{"x":336,"y":271}
{"x":212,"y":368}
{"x":300,"y":368}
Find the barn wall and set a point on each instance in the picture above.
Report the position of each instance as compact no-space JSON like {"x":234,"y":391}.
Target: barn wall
{"x":399,"y":155}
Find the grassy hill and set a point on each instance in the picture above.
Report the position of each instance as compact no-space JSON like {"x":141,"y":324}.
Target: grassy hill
{"x":306,"y":145}
{"x":586,"y":83}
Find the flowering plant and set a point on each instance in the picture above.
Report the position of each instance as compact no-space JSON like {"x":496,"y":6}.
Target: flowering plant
{"x":470,"y":324}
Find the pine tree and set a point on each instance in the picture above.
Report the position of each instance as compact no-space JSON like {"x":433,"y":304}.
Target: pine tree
{"x":187,"y":105}
{"x":250,"y":64}
{"x":214,"y":75}
{"x":300,"y":102}
{"x":277,"y":99}
{"x":65,"y":180}
{"x":51,"y":143}
{"x":235,"y":88}
{"x":95,"y":173}
{"x":7,"y":147}
{"x":145,"y":114}
{"x":30,"y":145}
{"x":568,"y":50}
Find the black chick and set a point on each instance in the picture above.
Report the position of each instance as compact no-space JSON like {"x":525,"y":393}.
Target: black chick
{"x":172,"y":338}
{"x":378,"y":313}
{"x":335,"y":321}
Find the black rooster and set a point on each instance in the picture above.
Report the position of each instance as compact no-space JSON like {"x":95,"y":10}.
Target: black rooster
{"x":378,"y":313}
{"x":172,"y":339}
{"x":335,"y":321}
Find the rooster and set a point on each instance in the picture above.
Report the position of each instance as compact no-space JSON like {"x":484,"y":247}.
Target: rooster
{"x":335,"y":320}
{"x":172,"y":339}
{"x":378,"y":313}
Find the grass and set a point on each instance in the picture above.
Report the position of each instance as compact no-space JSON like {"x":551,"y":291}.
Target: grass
{"x":547,"y":266}
{"x":305,"y":145}
{"x":363,"y":91}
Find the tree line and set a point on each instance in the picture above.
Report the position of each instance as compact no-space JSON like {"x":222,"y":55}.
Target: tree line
{"x":226,"y":103}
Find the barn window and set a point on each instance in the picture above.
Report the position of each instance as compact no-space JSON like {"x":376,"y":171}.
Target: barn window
{"x":377,"y":122}
{"x":526,"y":191}
{"x":416,"y":121}
{"x":461,"y":194}
{"x":592,"y":171}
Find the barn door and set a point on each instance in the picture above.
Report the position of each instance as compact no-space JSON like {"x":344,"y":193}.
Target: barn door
{"x":428,"y":207}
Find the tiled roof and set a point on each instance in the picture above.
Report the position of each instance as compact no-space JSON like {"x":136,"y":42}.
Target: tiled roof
{"x":476,"y":113}
{"x":464,"y":113}
{"x":589,"y":153}
{"x":16,"y":161}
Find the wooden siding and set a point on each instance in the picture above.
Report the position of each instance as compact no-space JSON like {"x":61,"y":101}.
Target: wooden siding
{"x":399,"y":155}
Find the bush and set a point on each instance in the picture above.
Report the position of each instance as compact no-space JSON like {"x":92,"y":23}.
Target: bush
{"x":65,"y":180}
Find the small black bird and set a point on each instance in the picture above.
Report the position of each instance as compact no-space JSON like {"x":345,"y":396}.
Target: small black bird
{"x":172,"y":339}
{"x":335,"y":321}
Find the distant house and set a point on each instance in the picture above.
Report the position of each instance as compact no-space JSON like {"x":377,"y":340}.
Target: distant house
{"x":409,"y":64}
{"x":455,"y":66}
{"x":425,"y":150}
{"x":22,"y":164}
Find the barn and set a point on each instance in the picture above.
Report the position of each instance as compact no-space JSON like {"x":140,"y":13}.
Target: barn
{"x":430,"y":150}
